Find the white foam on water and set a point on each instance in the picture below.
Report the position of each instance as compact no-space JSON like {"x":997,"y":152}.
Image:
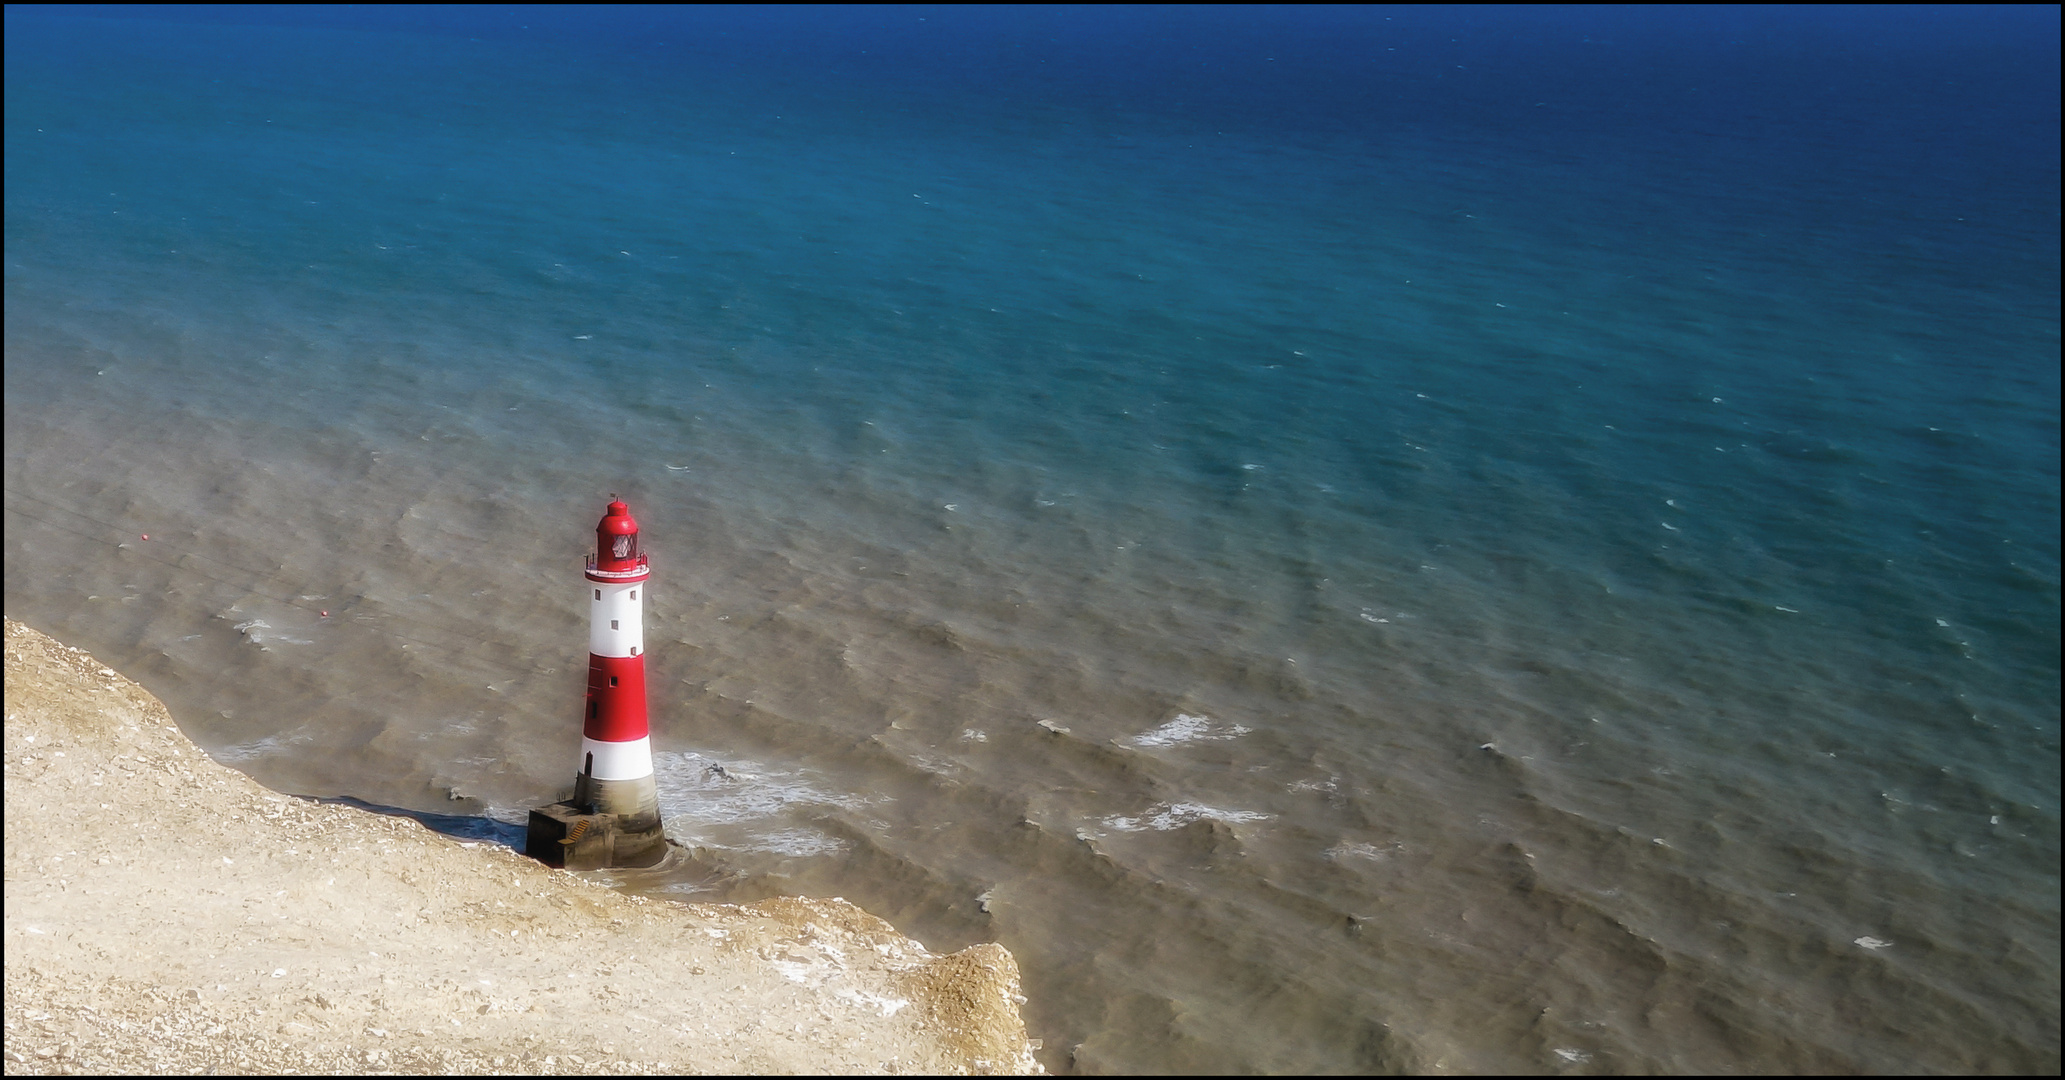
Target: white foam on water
{"x":1188,"y":728}
{"x":1370,"y":852}
{"x":259,"y":632}
{"x":1163,"y":817}
{"x":743,"y":805}
{"x":701,"y":788}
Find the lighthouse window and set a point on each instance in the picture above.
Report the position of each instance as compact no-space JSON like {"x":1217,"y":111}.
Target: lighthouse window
{"x":613,"y":624}
{"x":598,"y":594}
{"x":634,"y":594}
{"x":613,"y":680}
{"x":591,"y":708}
{"x":624,"y":547}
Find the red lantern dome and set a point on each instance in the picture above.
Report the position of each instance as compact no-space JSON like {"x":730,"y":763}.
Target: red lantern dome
{"x":617,"y":557}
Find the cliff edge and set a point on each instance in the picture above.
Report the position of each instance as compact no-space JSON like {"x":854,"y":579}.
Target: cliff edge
{"x":164,"y":913}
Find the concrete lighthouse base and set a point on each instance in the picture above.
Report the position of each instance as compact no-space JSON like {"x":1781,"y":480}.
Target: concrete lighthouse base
{"x":608,"y":823}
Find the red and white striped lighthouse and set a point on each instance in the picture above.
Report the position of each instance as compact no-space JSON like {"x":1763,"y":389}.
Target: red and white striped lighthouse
{"x":613,"y":818}
{"x":616,"y":743}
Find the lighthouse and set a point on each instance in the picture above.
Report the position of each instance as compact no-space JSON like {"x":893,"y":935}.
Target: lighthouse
{"x":613,"y":818}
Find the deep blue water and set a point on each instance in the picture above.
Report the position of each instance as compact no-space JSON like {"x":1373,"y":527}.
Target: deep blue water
{"x":1404,"y":539}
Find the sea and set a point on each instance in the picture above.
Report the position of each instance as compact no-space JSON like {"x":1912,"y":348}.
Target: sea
{"x":1366,"y":539}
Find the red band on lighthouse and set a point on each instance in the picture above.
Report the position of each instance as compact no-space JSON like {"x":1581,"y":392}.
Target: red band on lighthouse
{"x":615,"y":739}
{"x":616,"y":699}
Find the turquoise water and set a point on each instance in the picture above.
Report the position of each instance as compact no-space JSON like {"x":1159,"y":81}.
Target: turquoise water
{"x":1536,"y":553}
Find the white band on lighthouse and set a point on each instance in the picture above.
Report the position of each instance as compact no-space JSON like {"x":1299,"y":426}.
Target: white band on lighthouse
{"x":616,"y":622}
{"x":617,"y":760}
